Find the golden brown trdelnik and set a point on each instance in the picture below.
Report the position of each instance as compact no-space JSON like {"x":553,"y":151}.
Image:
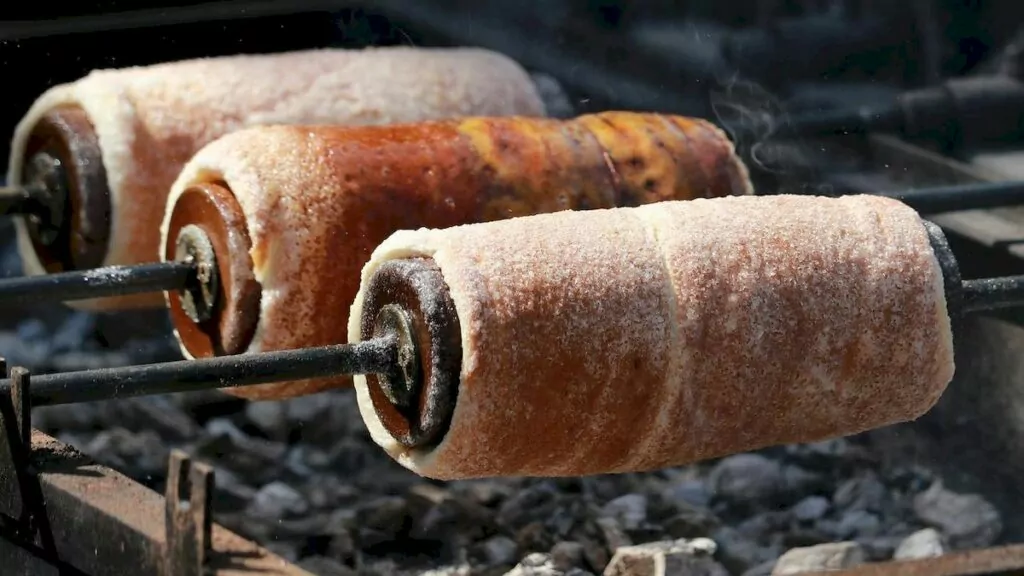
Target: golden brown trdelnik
{"x":307,"y":206}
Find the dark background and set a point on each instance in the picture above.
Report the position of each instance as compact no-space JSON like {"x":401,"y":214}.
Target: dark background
{"x":654,"y":55}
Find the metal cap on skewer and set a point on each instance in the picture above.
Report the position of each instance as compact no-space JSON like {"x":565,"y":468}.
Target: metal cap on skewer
{"x":62,"y":192}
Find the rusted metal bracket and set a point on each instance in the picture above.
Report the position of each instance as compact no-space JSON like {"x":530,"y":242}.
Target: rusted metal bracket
{"x":189,"y":524}
{"x":61,"y":513}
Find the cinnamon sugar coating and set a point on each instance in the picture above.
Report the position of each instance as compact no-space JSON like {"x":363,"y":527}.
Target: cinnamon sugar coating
{"x":640,"y":338}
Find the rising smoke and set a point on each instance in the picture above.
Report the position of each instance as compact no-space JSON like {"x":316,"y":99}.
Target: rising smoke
{"x":759,"y":126}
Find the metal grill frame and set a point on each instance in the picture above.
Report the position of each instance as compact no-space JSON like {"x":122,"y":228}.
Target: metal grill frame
{"x":61,"y":513}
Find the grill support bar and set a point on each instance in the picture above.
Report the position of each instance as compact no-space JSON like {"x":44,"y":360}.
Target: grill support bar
{"x":61,"y":513}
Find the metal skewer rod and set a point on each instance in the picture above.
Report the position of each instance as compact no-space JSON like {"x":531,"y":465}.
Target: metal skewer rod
{"x":955,"y":198}
{"x":992,"y":293}
{"x":978,"y":196}
{"x":378,"y":355}
{"x":18,"y":199}
{"x":959,"y":110}
{"x":181,"y":275}
{"x":97,"y":283}
{"x":370,"y":356}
